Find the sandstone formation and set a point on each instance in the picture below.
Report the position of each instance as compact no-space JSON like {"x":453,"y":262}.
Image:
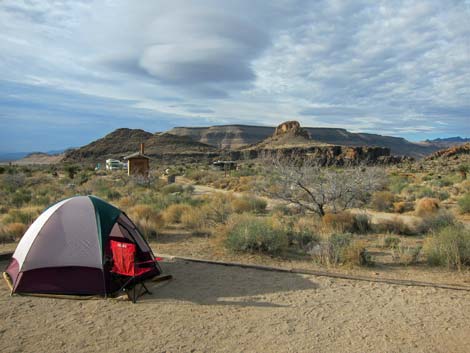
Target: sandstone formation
{"x":291,"y":128}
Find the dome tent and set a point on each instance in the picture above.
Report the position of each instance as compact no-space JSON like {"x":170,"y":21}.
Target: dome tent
{"x":69,"y":250}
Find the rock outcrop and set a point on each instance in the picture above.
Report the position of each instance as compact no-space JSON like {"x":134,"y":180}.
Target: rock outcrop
{"x":292,"y":128}
{"x":451,"y":152}
{"x":326,"y":155}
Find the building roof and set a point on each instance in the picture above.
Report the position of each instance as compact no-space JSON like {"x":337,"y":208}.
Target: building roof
{"x":136,"y":155}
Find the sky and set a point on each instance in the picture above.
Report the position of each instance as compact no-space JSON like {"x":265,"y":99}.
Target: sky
{"x":72,"y":70}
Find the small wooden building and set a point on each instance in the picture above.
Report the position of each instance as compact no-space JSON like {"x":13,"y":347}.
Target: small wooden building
{"x":138,"y":163}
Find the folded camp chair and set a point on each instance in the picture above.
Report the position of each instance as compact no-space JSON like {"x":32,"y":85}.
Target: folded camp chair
{"x":133,"y":272}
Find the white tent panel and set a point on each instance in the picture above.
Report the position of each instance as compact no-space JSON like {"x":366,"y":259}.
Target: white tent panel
{"x":28,"y":238}
{"x":68,"y":238}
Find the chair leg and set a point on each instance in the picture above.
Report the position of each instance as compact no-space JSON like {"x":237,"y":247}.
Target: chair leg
{"x":146,"y":289}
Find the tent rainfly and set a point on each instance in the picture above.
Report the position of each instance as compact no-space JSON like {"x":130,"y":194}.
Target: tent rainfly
{"x":71,"y":249}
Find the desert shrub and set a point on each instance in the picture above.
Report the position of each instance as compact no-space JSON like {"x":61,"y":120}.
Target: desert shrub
{"x":25,"y":216}
{"x":345,"y":222}
{"x":241,"y":205}
{"x":362,"y":223}
{"x":249,"y":233}
{"x":395,"y":226}
{"x":443,"y":195}
{"x":391,"y":242}
{"x":13,"y":181}
{"x":402,"y":206}
{"x":406,"y":254}
{"x":12,"y":231}
{"x":221,"y":206}
{"x":281,"y":209}
{"x":303,"y":232}
{"x":339,"y":222}
{"x":2,"y":170}
{"x":173,"y":213}
{"x":197,"y":219}
{"x":126,"y":202}
{"x":449,"y":247}
{"x":112,"y":195}
{"x":340,"y":248}
{"x":356,"y":254}
{"x":71,"y":170}
{"x":248,"y":204}
{"x":382,"y":201}
{"x":434,"y":221}
{"x":147,"y":219}
{"x":426,"y":206}
{"x":397,"y":184}
{"x":426,"y":192}
{"x":20,"y":197}
{"x":172,"y":188}
{"x":464,"y":203}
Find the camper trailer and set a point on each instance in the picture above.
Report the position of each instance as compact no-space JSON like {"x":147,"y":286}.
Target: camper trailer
{"x":114,"y":164}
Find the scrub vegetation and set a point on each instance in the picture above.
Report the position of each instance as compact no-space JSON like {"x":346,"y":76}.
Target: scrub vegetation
{"x":411,"y":213}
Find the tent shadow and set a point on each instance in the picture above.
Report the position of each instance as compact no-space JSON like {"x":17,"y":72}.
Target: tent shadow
{"x":209,"y":284}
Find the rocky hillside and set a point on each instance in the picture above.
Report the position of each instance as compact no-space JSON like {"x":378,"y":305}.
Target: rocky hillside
{"x":122,"y":142}
{"x":40,"y":158}
{"x":236,"y":136}
{"x":116,"y":144}
{"x":451,"y":152}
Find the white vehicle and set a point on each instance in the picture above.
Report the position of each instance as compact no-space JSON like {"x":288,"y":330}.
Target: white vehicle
{"x":114,"y":164}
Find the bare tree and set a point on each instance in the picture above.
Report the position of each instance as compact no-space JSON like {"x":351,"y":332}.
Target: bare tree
{"x":316,"y":189}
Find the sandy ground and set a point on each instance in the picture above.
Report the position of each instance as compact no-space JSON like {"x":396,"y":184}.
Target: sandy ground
{"x":213,"y":308}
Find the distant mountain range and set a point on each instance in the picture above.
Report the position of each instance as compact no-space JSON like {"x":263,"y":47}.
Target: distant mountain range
{"x":14,"y":156}
{"x":448,"y":142}
{"x":213,"y":139}
{"x":236,"y":136}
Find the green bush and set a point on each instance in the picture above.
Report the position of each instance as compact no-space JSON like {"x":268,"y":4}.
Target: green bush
{"x":20,"y":197}
{"x":112,"y":195}
{"x":248,"y":233}
{"x":449,"y":247}
{"x":397,"y":184}
{"x":464,"y":203}
{"x":362,"y":224}
{"x":426,"y":192}
{"x":172,"y":188}
{"x":434,"y":221}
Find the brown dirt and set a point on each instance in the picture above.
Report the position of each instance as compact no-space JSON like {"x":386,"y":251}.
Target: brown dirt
{"x":208,"y":308}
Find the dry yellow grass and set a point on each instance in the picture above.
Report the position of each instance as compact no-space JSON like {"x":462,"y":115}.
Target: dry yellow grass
{"x":173,"y":213}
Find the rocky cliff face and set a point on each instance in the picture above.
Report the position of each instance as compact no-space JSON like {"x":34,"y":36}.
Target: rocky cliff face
{"x":326,"y":155}
{"x":451,"y":152}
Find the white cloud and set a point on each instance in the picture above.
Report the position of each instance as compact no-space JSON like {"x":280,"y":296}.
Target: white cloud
{"x":359,"y":64}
